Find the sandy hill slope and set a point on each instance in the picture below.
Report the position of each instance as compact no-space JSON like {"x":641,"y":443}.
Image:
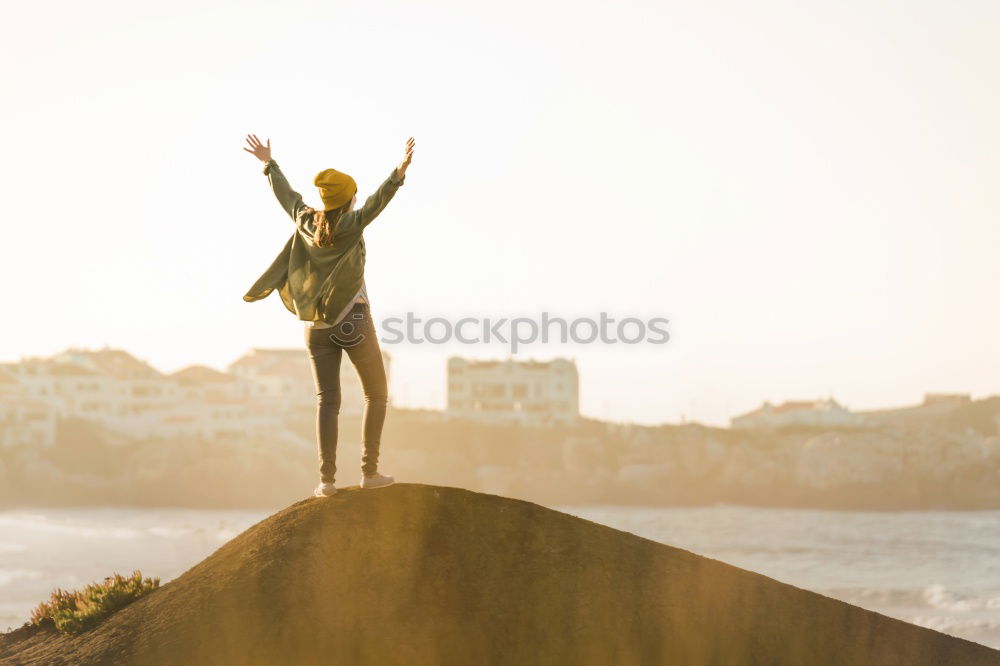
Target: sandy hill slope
{"x":417,"y":574}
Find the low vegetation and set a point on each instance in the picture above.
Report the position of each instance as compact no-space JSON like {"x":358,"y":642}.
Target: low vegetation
{"x":76,"y":611}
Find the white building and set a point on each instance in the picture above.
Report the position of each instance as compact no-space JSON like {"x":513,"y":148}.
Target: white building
{"x":284,"y":378}
{"x":122,"y":392}
{"x":217,"y":405}
{"x":24,"y":420}
{"x":130,"y":397}
{"x":527,"y":392}
{"x":935,"y":405}
{"x":71,"y":389}
{"x":801,"y":412}
{"x":198,"y":382}
{"x":949,"y":399}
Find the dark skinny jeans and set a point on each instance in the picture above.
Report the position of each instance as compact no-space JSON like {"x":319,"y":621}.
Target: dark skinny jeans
{"x":355,"y":334}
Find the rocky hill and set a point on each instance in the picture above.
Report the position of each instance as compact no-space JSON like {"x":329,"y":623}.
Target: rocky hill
{"x":417,"y":574}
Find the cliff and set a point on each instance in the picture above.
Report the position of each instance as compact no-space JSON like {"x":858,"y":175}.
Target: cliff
{"x":904,"y":459}
{"x":421,"y":574}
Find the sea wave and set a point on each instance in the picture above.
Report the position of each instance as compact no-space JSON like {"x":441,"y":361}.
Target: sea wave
{"x":39,"y":523}
{"x":958,"y":625}
{"x":936,"y":596}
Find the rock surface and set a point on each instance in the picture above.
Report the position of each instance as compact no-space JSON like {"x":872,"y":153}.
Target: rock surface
{"x":418,"y":574}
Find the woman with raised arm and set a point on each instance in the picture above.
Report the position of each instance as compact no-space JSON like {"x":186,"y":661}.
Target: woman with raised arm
{"x":319,"y":275}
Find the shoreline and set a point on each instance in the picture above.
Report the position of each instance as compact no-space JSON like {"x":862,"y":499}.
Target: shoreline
{"x":83,"y":505}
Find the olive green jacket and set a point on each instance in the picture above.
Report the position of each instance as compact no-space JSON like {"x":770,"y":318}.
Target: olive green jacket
{"x":319,"y":283}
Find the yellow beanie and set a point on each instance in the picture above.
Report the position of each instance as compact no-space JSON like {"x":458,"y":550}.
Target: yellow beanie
{"x":335,"y":188}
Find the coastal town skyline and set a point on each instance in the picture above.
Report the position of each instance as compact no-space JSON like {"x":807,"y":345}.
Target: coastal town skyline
{"x":253,"y":393}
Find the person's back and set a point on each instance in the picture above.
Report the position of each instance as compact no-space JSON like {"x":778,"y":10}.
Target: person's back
{"x":319,"y":276}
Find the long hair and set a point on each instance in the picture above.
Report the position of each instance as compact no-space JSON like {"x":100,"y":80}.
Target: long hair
{"x":325,"y":222}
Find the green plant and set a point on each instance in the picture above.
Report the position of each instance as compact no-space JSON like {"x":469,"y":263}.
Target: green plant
{"x":77,"y":611}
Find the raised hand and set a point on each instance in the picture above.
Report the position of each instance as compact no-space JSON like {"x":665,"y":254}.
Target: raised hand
{"x":407,"y":158}
{"x":259,"y":150}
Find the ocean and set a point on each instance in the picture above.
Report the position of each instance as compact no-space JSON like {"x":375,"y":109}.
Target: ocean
{"x":938,"y":569}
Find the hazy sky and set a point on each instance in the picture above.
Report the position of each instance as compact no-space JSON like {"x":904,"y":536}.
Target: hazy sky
{"x":807,"y":190}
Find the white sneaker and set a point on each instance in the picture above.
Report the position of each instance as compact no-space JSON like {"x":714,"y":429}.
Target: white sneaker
{"x":376,"y":480}
{"x":324,"y":490}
